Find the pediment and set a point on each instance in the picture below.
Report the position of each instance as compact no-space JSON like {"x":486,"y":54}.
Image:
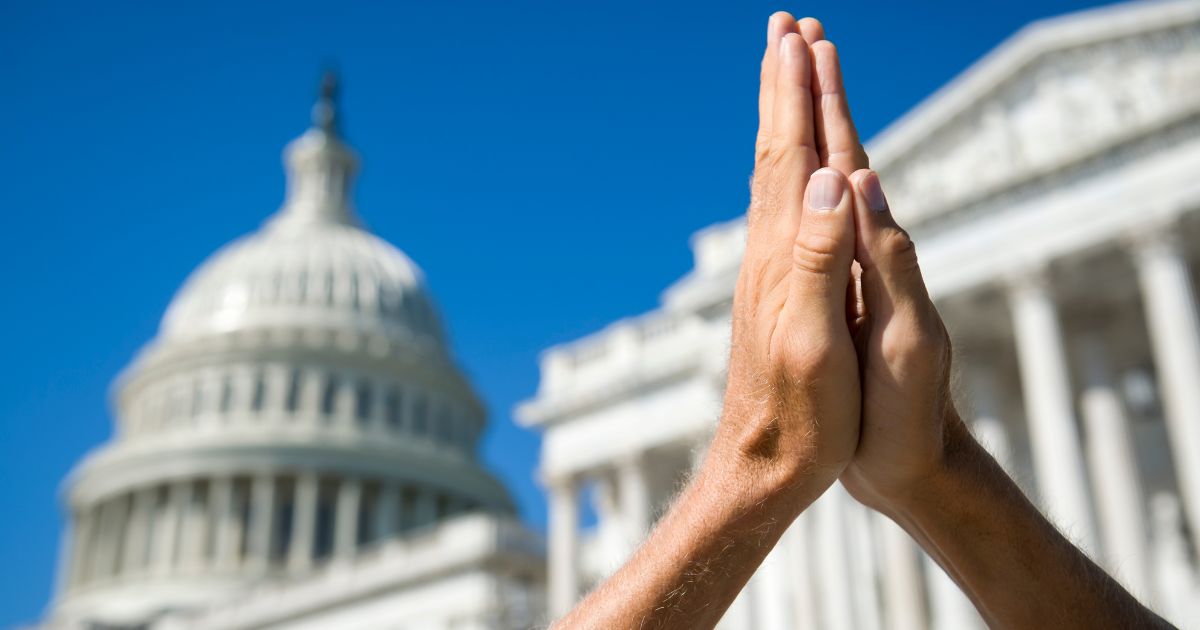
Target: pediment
{"x":1059,"y":93}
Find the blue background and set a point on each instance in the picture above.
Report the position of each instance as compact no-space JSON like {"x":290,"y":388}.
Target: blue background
{"x":544,"y":162}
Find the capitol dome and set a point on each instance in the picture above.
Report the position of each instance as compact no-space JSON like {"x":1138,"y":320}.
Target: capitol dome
{"x":298,"y":404}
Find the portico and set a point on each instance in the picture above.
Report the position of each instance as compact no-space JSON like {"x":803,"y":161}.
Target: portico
{"x":1065,"y":273}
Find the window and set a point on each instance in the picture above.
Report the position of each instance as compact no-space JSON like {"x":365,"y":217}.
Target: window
{"x":260,"y":392}
{"x":420,"y":412}
{"x":226,"y":395}
{"x":329,"y":396}
{"x":393,"y":408}
{"x":362,"y":402}
{"x":292,"y":401}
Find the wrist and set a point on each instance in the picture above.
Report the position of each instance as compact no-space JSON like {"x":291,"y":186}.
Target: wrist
{"x":941,"y":488}
{"x":785,"y":479}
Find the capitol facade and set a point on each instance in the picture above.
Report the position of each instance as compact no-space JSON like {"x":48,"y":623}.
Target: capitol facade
{"x":1053,"y":191}
{"x":296,"y":448}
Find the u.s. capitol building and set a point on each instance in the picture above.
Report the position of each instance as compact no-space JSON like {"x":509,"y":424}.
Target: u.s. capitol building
{"x":296,"y":448}
{"x":1053,"y":191}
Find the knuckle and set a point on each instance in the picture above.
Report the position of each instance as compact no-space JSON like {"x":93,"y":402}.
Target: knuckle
{"x":810,"y":355}
{"x":898,"y":248}
{"x":816,"y":253}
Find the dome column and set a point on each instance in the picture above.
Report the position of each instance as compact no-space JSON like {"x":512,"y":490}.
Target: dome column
{"x":349,"y":499}
{"x":137,"y":532}
{"x":262,"y":523}
{"x":387,"y":512}
{"x":225,"y":522}
{"x":304,"y":522}
{"x":168,"y":527}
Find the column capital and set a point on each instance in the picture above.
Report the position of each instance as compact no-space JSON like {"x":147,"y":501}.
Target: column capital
{"x":1029,"y":277}
{"x":1155,"y":235}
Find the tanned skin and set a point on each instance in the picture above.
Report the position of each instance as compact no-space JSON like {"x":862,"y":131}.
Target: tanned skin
{"x":839,"y":368}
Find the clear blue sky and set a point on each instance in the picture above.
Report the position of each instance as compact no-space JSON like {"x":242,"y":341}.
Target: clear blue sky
{"x":544,"y":162}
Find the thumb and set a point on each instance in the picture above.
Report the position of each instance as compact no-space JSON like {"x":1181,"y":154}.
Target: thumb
{"x":823,"y":250}
{"x":891,"y":277}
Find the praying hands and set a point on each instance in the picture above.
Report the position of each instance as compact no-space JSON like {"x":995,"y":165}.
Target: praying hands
{"x":839,"y":370}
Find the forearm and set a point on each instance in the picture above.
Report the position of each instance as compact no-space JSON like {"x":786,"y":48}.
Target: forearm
{"x":1016,"y":567}
{"x":698,"y":557}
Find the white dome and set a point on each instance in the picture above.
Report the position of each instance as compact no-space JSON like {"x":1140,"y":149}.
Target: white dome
{"x":313,"y":274}
{"x":298,"y":404}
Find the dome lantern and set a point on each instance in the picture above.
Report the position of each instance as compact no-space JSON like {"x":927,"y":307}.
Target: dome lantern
{"x":320,"y":167}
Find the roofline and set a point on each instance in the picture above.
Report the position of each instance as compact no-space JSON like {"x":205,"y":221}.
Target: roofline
{"x":1005,"y":61}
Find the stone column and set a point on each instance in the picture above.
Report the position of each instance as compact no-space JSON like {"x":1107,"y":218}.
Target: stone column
{"x":987,"y":423}
{"x":137,"y":532}
{"x":801,"y":585}
{"x":902,"y":597}
{"x":225,"y":523}
{"x":304,"y":522}
{"x":425,"y":507}
{"x":772,"y":601}
{"x":81,"y":547}
{"x":1054,"y":437}
{"x":386,"y":522}
{"x":563,"y":547}
{"x":194,"y":532}
{"x":837,"y":605}
{"x":108,"y":541}
{"x":864,"y":569}
{"x":633,"y":493}
{"x":1174,"y":324}
{"x":166,"y":551}
{"x":1115,"y":475}
{"x":345,"y":528}
{"x":261,"y":532}
{"x":951,"y":609}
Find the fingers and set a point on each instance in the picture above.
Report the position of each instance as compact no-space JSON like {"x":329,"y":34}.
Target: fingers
{"x":780,"y":24}
{"x":783,"y":170}
{"x":891,"y":279}
{"x":837,"y":139}
{"x":793,"y":141}
{"x":823,"y":251}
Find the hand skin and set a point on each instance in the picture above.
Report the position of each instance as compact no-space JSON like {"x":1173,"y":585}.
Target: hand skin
{"x":916,"y":461}
{"x":791,"y":414}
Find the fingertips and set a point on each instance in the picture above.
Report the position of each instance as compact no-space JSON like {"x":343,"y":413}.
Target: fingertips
{"x":779,"y":24}
{"x":811,"y":29}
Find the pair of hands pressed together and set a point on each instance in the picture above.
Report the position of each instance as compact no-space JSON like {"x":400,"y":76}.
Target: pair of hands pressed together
{"x":839,"y":369}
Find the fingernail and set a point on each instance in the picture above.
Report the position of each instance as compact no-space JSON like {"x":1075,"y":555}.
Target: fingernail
{"x":873,"y":192}
{"x":825,"y":189}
